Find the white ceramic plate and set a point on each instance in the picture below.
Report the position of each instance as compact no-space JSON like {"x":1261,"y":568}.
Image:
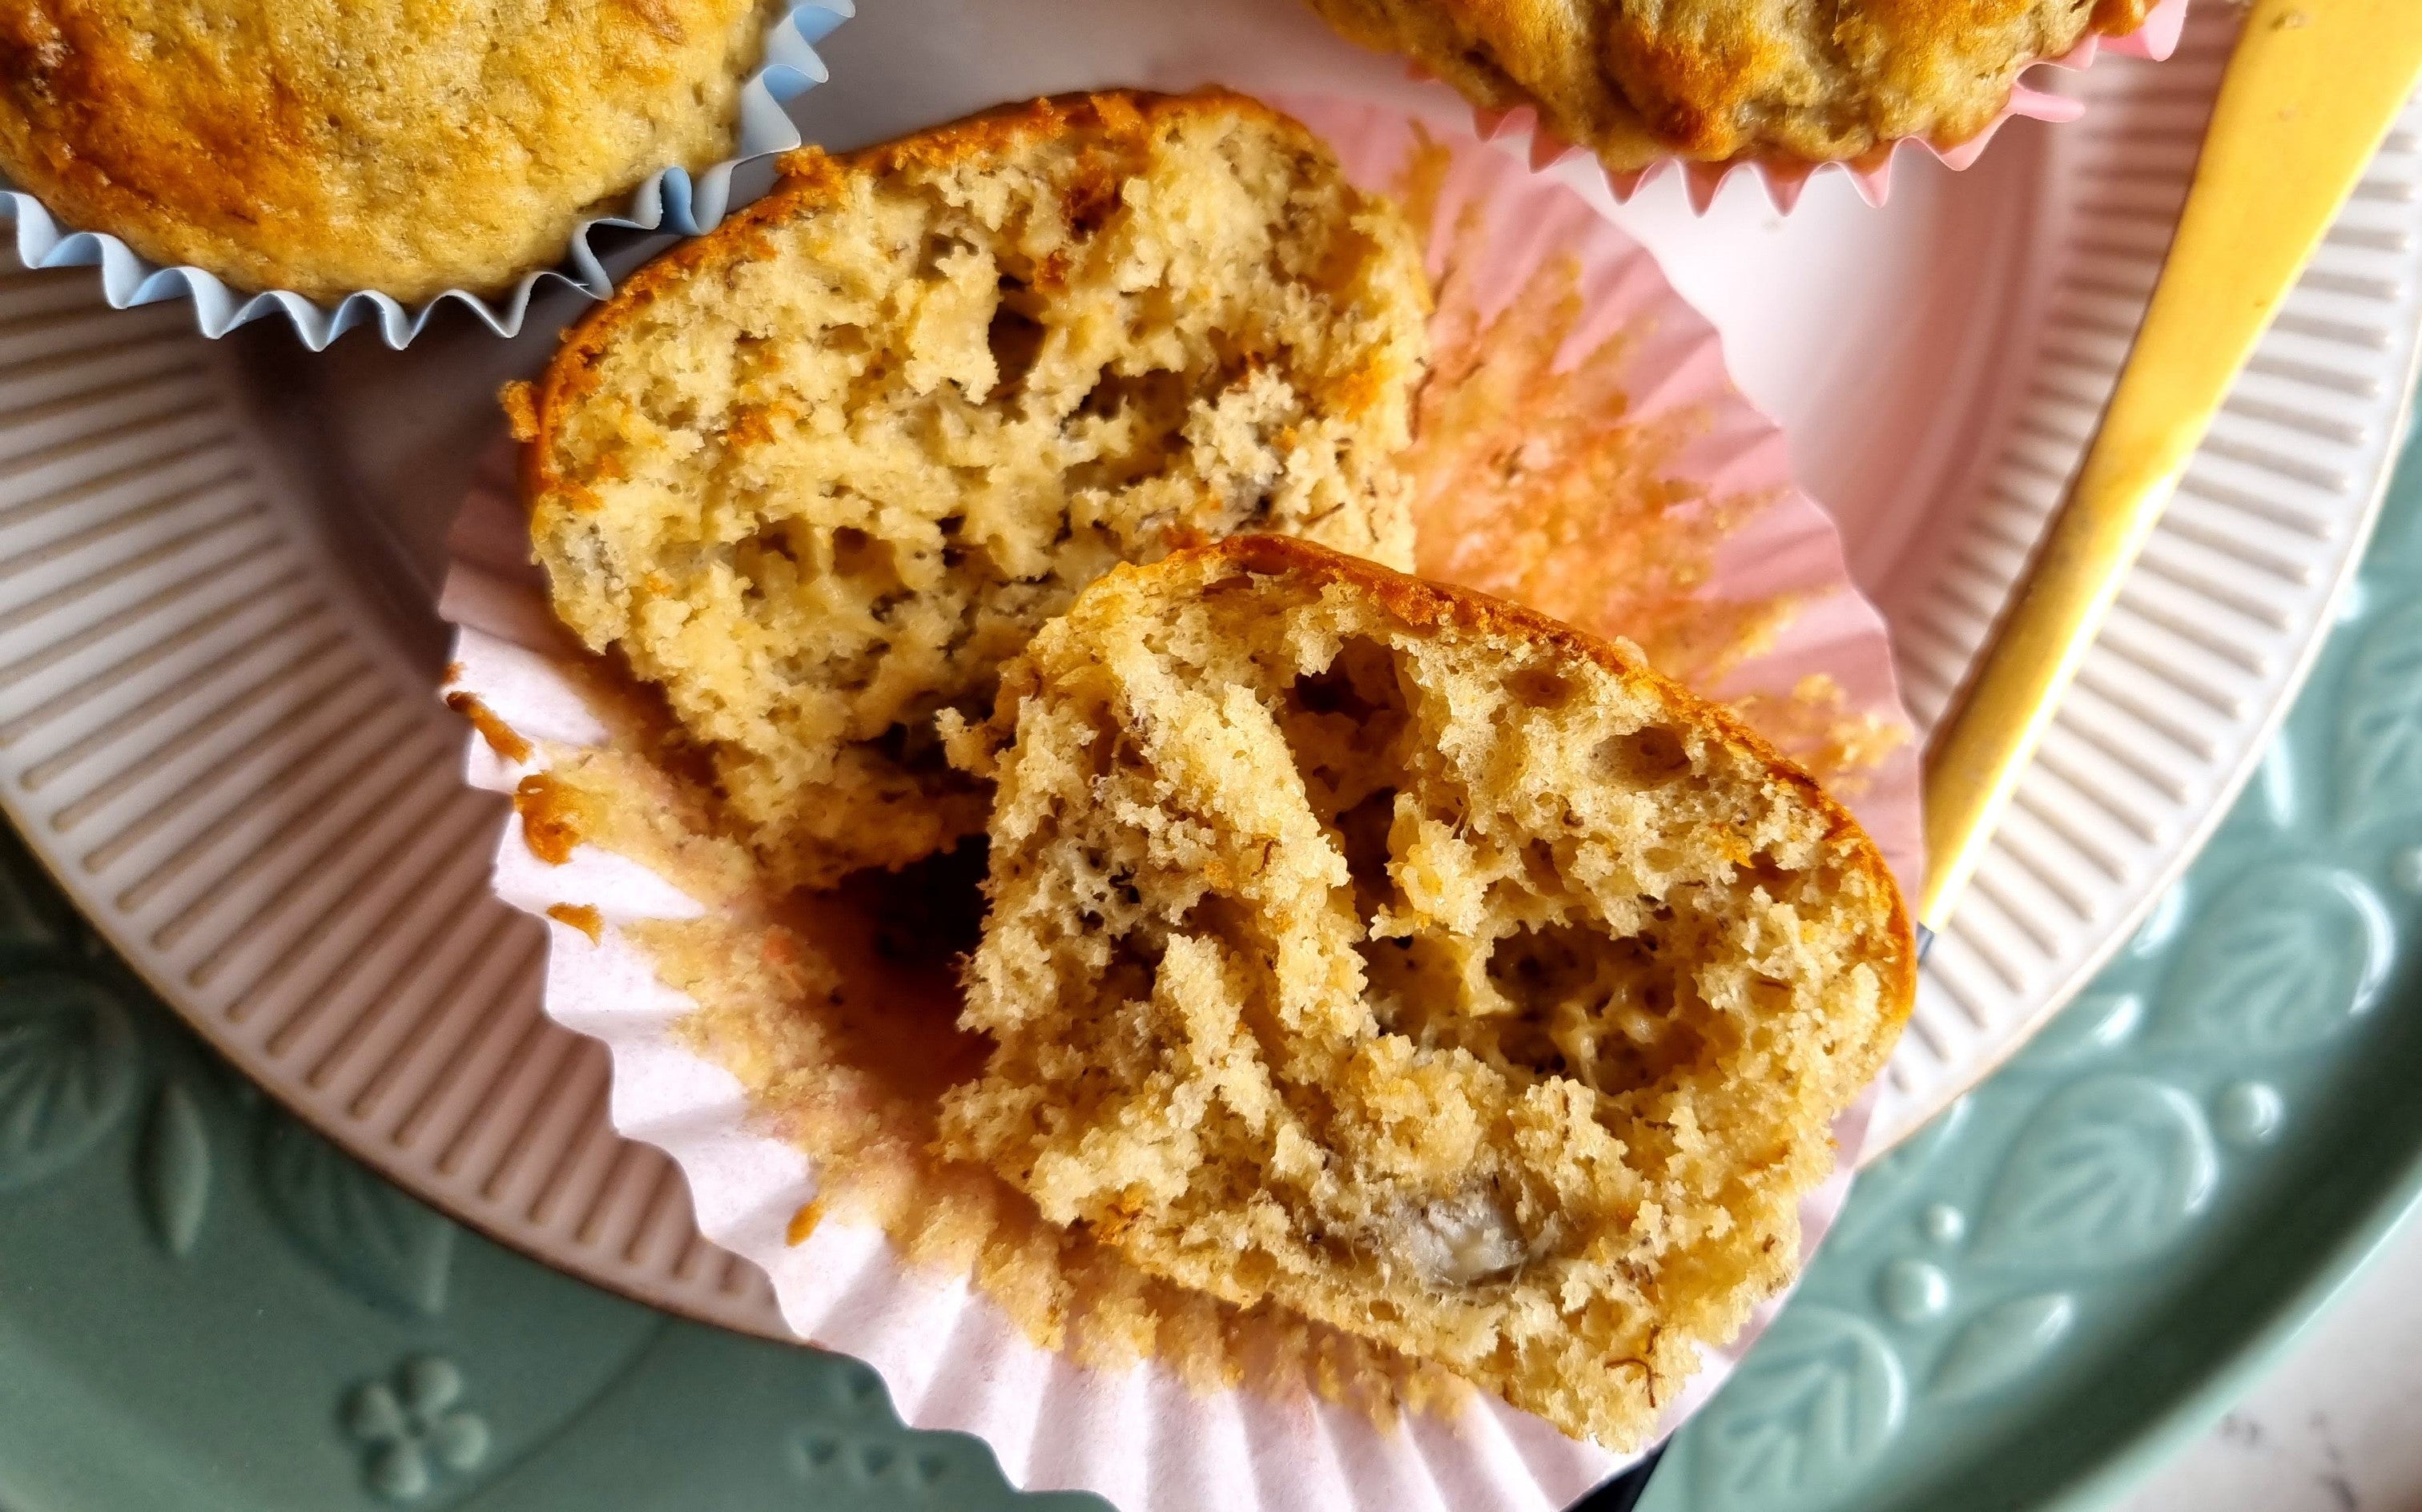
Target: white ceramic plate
{"x":216,"y":563}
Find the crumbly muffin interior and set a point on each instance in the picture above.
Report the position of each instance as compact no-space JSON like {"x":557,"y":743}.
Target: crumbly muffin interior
{"x":820,"y":474}
{"x":838,"y":1011}
{"x":1395,"y":957}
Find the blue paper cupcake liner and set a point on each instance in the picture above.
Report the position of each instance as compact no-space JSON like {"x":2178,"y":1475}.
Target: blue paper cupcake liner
{"x":668,"y":201}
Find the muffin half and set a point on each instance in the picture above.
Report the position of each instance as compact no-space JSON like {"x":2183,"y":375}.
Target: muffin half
{"x":820,"y":472}
{"x":1406,"y":959}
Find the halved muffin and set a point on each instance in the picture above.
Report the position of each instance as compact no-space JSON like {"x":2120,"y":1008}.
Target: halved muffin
{"x":1417,"y":963}
{"x":820,"y":472}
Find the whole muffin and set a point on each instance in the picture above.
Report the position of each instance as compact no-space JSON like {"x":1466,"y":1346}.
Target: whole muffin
{"x":1636,"y":81}
{"x":818,"y":474}
{"x":330,"y":145}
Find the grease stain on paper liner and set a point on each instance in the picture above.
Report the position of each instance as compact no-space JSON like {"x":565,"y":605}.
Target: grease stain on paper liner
{"x":839,"y":1012}
{"x":1815,"y":724}
{"x":1534,"y":479}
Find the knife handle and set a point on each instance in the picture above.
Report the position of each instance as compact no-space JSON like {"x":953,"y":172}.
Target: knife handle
{"x":2311,"y":91}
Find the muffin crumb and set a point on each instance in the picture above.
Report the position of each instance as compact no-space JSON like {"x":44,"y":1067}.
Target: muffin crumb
{"x":580,"y":916}
{"x":501,"y":737}
{"x":819,"y":473}
{"x":1415,"y":963}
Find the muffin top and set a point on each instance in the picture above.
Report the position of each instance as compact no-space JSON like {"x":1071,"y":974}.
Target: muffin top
{"x":1635,"y":81}
{"x":1427,"y":968}
{"x":328,"y":146}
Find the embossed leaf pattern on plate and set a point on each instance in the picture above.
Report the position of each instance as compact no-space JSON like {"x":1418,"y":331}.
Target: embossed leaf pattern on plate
{"x":370,"y":1234}
{"x":2001,"y":1344}
{"x":1819,"y":1397}
{"x":2282,"y":961}
{"x":1877,"y":1198}
{"x":26,"y":912}
{"x":2106,"y":1173}
{"x":173,"y":1169}
{"x":68,"y":1065}
{"x":2380,"y":721}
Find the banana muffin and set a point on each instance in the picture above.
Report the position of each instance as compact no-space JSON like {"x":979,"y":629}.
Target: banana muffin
{"x":820,"y":472}
{"x":1416,"y":963}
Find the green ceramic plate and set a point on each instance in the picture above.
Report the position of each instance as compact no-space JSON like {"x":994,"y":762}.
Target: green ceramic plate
{"x":203,"y":1306}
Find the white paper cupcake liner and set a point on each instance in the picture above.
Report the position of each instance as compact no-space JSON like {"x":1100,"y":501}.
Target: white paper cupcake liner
{"x":952,"y":1358}
{"x":2156,"y":39}
{"x":668,"y":201}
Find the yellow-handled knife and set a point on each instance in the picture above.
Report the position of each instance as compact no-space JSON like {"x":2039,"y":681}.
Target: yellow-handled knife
{"x":2309,"y":94}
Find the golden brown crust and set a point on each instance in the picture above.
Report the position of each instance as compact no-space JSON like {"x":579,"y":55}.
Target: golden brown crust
{"x":329,"y":145}
{"x":1720,"y":80}
{"x":810,"y":177}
